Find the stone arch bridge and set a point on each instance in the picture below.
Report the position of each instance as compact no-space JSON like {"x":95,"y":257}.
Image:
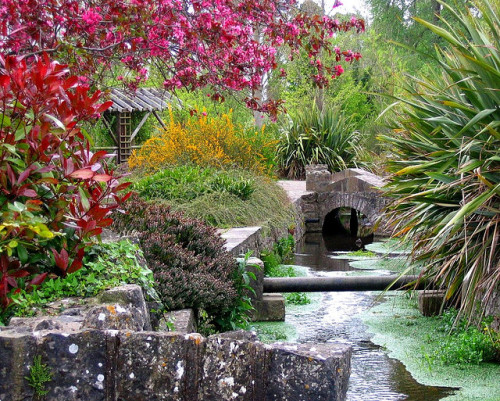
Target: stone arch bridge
{"x":352,"y":188}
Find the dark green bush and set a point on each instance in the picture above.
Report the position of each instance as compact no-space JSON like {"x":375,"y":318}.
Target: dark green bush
{"x":189,"y":263}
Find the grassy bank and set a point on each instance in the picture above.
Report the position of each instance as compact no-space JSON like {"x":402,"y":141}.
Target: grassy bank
{"x":418,"y":342}
{"x":221,"y":198}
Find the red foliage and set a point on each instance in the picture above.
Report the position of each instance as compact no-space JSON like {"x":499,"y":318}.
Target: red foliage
{"x":55,"y":195}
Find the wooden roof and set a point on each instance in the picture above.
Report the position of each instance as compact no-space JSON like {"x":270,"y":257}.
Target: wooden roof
{"x":144,"y":99}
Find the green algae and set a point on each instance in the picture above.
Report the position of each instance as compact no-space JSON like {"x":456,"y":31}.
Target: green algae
{"x":299,"y":271}
{"x":398,"y":265}
{"x":389,"y":246}
{"x":271,"y":332}
{"x":413,"y":339}
{"x":351,"y":256}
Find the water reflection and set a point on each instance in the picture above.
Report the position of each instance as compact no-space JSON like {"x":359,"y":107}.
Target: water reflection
{"x":374,"y":375}
{"x":315,"y":251}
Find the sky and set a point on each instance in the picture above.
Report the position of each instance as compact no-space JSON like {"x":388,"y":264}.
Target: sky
{"x":348,"y":6}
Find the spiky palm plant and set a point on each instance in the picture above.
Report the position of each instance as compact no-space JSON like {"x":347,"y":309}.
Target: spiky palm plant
{"x":446,"y":171}
{"x":315,"y":137}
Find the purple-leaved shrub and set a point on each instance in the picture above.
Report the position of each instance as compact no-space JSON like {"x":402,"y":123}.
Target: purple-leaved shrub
{"x":190,"y":265}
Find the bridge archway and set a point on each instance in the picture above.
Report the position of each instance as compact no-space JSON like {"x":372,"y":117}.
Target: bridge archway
{"x":353,"y":188}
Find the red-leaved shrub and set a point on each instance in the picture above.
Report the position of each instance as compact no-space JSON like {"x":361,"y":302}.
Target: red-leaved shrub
{"x":55,"y":195}
{"x":190,"y":265}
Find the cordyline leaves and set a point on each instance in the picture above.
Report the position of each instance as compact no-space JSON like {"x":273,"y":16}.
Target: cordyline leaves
{"x":55,"y":195}
{"x":222,"y":44}
{"x":316,"y":137}
{"x":446,"y":173}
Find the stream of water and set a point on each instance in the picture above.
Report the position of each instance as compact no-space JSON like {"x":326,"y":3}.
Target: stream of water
{"x":374,"y":375}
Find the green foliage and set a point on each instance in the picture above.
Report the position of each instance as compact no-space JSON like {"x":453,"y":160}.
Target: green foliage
{"x":186,"y":183}
{"x":315,"y":137}
{"x":446,"y":168}
{"x":284,"y":248}
{"x":239,"y":317}
{"x":40,"y":374}
{"x":297,"y":298}
{"x":55,"y":195}
{"x":464,"y":343}
{"x":362,"y":253}
{"x":394,"y":21}
{"x":282,"y":252}
{"x":415,"y":345}
{"x":106,"y":266}
{"x":270,"y":334}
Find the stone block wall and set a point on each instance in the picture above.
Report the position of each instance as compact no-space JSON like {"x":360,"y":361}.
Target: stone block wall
{"x":115,"y":363}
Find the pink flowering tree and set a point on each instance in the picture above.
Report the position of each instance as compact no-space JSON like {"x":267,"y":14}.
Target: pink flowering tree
{"x":221,"y":44}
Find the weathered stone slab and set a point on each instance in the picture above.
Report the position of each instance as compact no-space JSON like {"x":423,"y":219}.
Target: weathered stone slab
{"x":255,"y":266}
{"x":17,"y":351}
{"x":98,"y":365}
{"x":234,"y":369}
{"x":121,"y":365}
{"x":158,"y":366}
{"x":184,"y":321}
{"x":77,"y":362}
{"x":271,"y":308}
{"x":241,"y":239}
{"x":114,"y":317}
{"x":65,"y":323}
{"x":430,"y":302}
{"x":317,"y":177}
{"x":128,"y":295}
{"x":309,"y":372}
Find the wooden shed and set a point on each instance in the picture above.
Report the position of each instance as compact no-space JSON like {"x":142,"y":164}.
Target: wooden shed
{"x":125,"y":103}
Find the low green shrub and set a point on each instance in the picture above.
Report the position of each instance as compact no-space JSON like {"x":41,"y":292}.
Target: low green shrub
{"x":186,"y":183}
{"x":362,"y":253}
{"x":240,"y":314}
{"x":281,"y":252}
{"x":105,"y":266}
{"x":221,"y":198}
{"x":191,"y":268}
{"x":297,"y":298}
{"x":271,"y":334}
{"x":464,"y":343}
{"x":267,"y":203}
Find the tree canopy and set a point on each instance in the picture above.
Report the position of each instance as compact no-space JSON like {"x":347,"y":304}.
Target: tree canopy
{"x":221,"y":44}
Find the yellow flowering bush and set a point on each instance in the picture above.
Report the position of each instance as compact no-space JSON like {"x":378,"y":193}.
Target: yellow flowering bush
{"x":206,"y":142}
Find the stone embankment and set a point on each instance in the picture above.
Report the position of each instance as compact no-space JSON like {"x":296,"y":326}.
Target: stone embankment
{"x":106,"y":350}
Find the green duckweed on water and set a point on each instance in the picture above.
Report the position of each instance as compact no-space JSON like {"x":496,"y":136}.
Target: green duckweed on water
{"x":389,"y":246}
{"x":413,"y":339}
{"x":391,"y":264}
{"x":271,"y":332}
